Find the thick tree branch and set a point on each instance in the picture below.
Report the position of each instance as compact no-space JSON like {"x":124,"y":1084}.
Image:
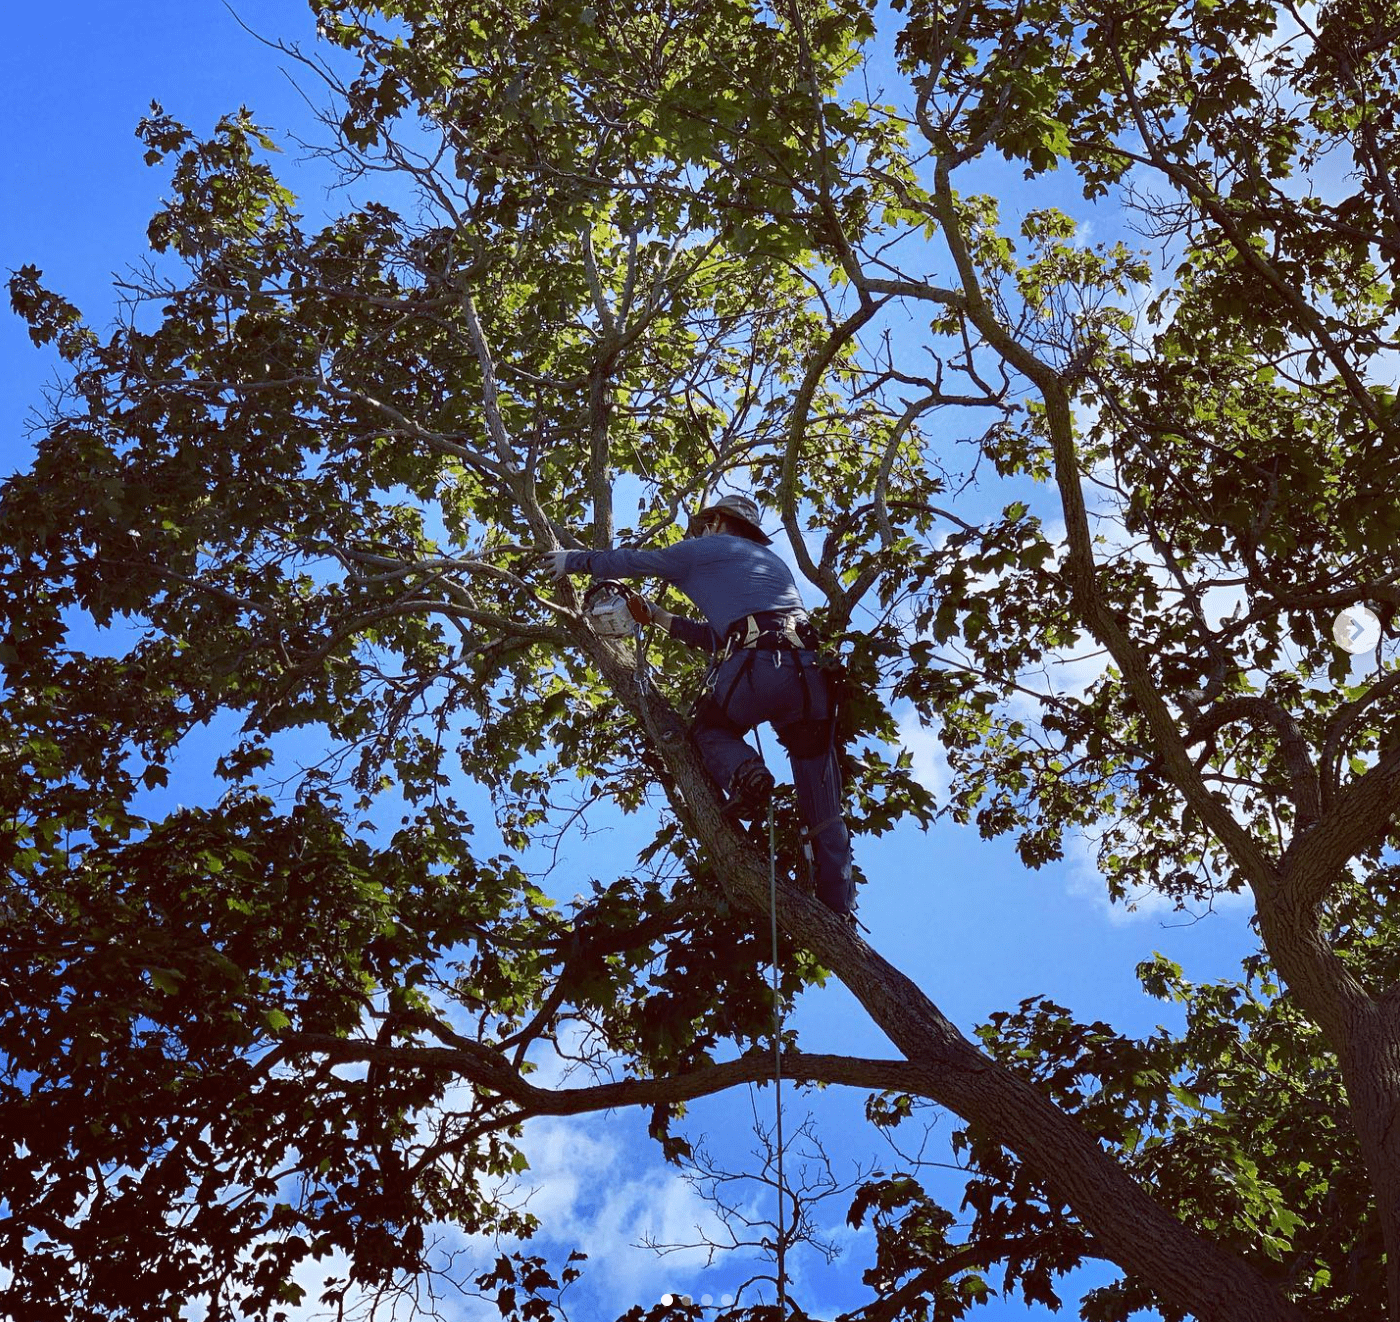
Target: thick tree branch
{"x":485,"y":1068}
{"x":796,"y":435}
{"x":1360,"y":816}
{"x":1339,"y":727}
{"x":1304,"y":789}
{"x":1079,"y":563}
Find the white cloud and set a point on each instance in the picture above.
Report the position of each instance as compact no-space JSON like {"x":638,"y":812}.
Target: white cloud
{"x":1086,"y":882}
{"x":596,"y":1185}
{"x":930,"y":766}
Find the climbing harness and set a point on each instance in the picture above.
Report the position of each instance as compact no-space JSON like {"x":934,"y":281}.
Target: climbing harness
{"x":776,"y":632}
{"x":771,"y":630}
{"x":767,"y":631}
{"x":781,"y":1248}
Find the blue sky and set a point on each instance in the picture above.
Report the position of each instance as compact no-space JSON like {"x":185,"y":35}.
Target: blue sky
{"x":960,"y":915}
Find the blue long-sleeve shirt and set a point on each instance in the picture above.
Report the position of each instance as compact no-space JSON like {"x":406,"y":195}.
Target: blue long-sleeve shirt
{"x":726,"y":576}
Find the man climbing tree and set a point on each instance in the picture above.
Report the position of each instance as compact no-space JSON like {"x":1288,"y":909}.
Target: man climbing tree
{"x":766,"y":669}
{"x":1089,"y":519}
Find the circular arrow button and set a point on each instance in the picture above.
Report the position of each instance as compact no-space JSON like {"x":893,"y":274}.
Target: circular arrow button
{"x":1356,"y":629}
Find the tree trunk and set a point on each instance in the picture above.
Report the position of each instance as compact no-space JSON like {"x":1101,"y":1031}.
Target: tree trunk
{"x":1364,"y":1032}
{"x":1371,"y":1070}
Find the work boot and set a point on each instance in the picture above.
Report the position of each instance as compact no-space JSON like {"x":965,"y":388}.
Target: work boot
{"x":750,"y":790}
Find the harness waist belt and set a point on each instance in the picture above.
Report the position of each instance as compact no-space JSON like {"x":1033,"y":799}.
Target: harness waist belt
{"x":771,"y":629}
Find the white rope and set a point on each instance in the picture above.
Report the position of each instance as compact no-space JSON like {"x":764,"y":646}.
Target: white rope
{"x":641,"y":676}
{"x":777,"y":1059}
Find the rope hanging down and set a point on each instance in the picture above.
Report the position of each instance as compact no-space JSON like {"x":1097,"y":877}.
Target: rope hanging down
{"x":777,"y":1060}
{"x":614,"y":626}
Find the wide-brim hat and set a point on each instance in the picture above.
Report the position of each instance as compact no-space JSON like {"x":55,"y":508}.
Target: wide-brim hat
{"x":742,"y":509}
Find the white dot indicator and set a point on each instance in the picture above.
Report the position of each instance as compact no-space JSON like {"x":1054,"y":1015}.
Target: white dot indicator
{"x":1356,"y":629}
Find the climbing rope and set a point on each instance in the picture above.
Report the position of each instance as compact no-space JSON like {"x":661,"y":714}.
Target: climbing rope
{"x":641,"y":675}
{"x":641,"y":668}
{"x":777,"y":1059}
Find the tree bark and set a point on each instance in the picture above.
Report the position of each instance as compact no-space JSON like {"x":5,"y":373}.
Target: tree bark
{"x":1365,"y":1034}
{"x":1371,"y":1072}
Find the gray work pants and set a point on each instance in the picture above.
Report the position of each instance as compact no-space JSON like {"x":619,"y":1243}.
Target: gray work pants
{"x":788,"y":690}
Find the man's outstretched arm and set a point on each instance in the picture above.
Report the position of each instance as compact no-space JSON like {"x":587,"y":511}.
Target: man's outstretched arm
{"x":694,"y":633}
{"x":629,"y":563}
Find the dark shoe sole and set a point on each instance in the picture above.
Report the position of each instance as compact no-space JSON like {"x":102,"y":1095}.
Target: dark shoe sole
{"x":749,"y":800}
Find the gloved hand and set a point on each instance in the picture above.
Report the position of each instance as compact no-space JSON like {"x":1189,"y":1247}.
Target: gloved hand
{"x":639,"y":608}
{"x":553,"y":563}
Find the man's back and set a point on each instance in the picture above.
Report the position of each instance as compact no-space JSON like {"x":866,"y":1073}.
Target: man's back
{"x":726,"y":576}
